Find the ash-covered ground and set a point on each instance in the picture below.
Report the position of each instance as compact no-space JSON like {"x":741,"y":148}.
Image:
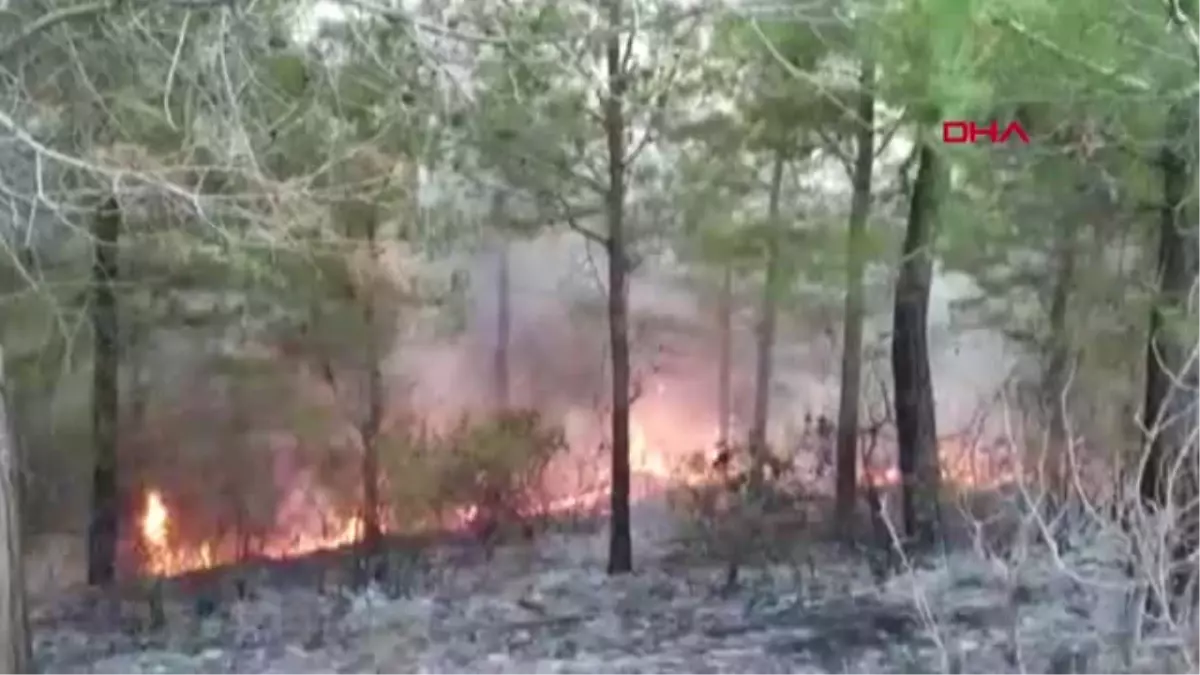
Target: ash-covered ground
{"x":548,"y":606}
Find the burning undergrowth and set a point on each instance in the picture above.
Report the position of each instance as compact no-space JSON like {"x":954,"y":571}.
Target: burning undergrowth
{"x":238,"y":484}
{"x":260,"y":455}
{"x":476,"y":476}
{"x":242,"y":486}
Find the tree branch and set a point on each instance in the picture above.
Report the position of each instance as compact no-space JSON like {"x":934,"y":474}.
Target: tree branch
{"x":1180,"y":19}
{"x":477,"y":38}
{"x":52,"y":19}
{"x":887,"y":135}
{"x":571,"y":217}
{"x":1124,"y":79}
{"x":830,"y":143}
{"x":588,"y":233}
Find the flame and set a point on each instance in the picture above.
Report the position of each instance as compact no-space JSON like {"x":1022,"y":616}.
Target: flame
{"x":162,"y":558}
{"x":307,"y":519}
{"x":880,"y":476}
{"x":156,"y":521}
{"x":642,"y":455}
{"x":961,"y":466}
{"x":165,"y":557}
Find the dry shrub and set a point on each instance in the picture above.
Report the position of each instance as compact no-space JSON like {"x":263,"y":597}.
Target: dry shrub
{"x":722,"y":518}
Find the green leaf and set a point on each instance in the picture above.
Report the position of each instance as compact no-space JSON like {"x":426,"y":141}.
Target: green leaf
{"x":289,"y":73}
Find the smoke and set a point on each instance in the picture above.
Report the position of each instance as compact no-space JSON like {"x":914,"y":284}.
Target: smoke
{"x":558,"y":356}
{"x":559,"y":362}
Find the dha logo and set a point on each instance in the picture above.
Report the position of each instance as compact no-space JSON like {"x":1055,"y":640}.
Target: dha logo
{"x":963,"y":131}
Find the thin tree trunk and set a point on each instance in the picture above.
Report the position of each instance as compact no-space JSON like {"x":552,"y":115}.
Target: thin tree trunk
{"x":369,"y":431}
{"x":852,"y":330}
{"x":916,"y":419}
{"x":105,"y":516}
{"x":14,"y":621}
{"x":503,"y":311}
{"x":1176,"y":273}
{"x":725,"y":357}
{"x":1054,"y":464}
{"x":620,"y":551}
{"x":1171,"y":376}
{"x":765,"y":338}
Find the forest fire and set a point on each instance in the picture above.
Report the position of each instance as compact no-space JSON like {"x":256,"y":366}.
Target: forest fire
{"x":164,"y":555}
{"x":961,"y":466}
{"x":306,"y":520}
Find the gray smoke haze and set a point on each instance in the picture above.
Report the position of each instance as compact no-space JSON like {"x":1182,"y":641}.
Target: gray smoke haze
{"x":559,"y":361}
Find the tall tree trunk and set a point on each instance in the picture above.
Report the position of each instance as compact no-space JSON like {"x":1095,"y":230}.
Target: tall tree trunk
{"x":1054,"y":465}
{"x":620,"y":550}
{"x":1171,"y":376}
{"x":916,"y":419}
{"x":369,"y":430}
{"x":503,"y":310}
{"x":725,"y":357}
{"x":765,"y":339}
{"x":105,"y":516}
{"x":852,"y":329}
{"x":14,"y":621}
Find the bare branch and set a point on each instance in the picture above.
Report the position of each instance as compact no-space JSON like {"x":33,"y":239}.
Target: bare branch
{"x":183,"y":30}
{"x":51,"y":19}
{"x":588,"y":233}
{"x":832,"y":145}
{"x":1108,"y":73}
{"x":659,"y":100}
{"x":792,"y":70}
{"x":1180,"y":19}
{"x":888,"y":133}
{"x":476,"y":38}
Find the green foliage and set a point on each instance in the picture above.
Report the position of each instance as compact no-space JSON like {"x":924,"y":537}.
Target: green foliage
{"x":495,"y":464}
{"x":328,"y":140}
{"x":502,"y":457}
{"x":289,"y":72}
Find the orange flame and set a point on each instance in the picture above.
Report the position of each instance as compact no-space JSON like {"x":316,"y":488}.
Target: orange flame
{"x":165,"y":557}
{"x":960,"y":465}
{"x":306,"y":520}
{"x":156,"y":521}
{"x":642,"y":455}
{"x":162,"y":558}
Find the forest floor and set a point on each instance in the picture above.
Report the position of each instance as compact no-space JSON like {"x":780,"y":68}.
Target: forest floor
{"x":549,"y":607}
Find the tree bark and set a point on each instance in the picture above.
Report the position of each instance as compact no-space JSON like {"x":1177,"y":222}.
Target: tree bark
{"x":725,"y":357}
{"x":1054,"y":465}
{"x":370,"y":427}
{"x":15,"y":653}
{"x":765,"y":338}
{"x":916,"y":419}
{"x":103,"y":527}
{"x":1169,"y":415}
{"x":852,"y":329}
{"x":620,"y":551}
{"x":500,"y":364}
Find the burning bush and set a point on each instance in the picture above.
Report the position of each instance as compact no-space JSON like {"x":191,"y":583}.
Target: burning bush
{"x":484,"y":473}
{"x":497,"y":465}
